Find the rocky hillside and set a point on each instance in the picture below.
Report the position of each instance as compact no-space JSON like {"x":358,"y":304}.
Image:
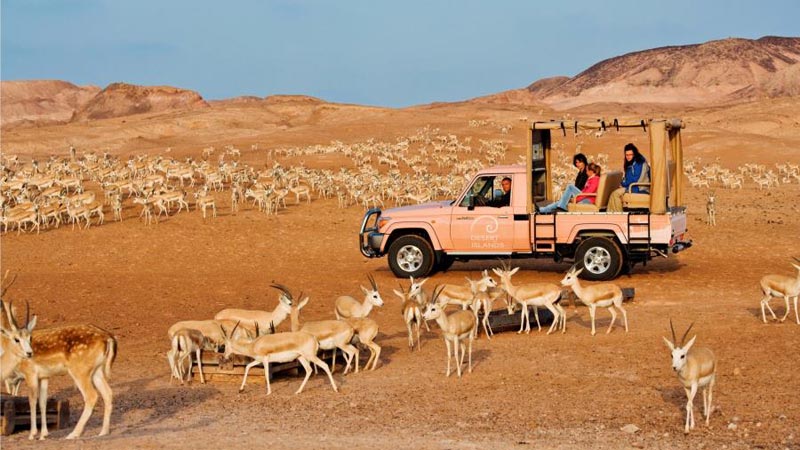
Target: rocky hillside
{"x":41,"y":101}
{"x":715,"y":72}
{"x":121,"y":99}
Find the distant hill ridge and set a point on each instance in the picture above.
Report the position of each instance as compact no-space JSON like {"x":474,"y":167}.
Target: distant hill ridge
{"x":722,"y":71}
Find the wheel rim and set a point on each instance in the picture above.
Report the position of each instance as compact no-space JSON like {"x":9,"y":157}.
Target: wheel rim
{"x":597,"y":260}
{"x":409,"y":258}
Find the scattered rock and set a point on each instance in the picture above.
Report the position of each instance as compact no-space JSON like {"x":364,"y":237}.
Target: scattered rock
{"x":732,"y":426}
{"x":630,"y":428}
{"x":737,"y":371}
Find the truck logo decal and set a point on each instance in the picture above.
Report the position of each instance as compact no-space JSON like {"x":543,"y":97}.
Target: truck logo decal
{"x":483,"y":233}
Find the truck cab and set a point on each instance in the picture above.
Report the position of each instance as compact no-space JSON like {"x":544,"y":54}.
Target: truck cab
{"x":486,"y":222}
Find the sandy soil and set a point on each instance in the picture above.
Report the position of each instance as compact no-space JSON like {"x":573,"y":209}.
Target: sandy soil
{"x":526,"y":391}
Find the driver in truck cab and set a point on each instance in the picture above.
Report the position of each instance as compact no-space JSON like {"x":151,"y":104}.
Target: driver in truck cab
{"x":505,"y":198}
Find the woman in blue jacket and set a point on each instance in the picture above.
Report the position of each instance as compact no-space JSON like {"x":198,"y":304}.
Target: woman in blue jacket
{"x":636,"y":171}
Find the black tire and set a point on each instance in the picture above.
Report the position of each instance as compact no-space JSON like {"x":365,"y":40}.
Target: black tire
{"x":445,"y":262}
{"x":601,"y":259}
{"x":411,"y":256}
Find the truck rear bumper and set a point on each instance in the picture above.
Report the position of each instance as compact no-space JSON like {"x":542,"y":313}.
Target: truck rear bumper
{"x":369,"y":239}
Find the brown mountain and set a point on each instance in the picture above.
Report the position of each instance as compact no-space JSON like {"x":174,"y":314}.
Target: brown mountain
{"x":41,"y":101}
{"x":724,"y":71}
{"x":121,"y":99}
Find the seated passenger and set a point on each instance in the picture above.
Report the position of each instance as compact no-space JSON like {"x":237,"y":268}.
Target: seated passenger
{"x":592,"y":183}
{"x":636,"y":171}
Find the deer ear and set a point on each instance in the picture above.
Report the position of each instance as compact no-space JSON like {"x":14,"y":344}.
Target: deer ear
{"x":423,"y":281}
{"x":364,"y":289}
{"x":669,"y":344}
{"x":497,"y":272}
{"x":690,"y":343}
{"x":577,"y":272}
{"x":303,"y":303}
{"x":32,"y":323}
{"x":398,"y":293}
{"x":515,"y":270}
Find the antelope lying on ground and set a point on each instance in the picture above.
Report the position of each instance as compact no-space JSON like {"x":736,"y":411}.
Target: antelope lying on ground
{"x":780,"y":286}
{"x":696,"y":368}
{"x":605,"y":295}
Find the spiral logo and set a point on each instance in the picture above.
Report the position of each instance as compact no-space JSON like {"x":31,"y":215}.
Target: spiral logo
{"x":489,"y":223}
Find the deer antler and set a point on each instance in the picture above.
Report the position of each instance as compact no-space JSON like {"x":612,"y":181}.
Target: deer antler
{"x":283,"y":289}
{"x":372,"y":282}
{"x":5,"y":286}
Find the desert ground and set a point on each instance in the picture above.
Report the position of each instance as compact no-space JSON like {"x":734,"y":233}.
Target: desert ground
{"x":526,"y":391}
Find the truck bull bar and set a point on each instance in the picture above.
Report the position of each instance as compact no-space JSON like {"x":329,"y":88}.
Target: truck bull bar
{"x":368,"y":237}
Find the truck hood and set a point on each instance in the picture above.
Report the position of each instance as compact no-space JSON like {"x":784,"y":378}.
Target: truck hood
{"x":414,"y":210}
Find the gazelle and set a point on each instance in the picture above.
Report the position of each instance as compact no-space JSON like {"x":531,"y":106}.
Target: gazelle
{"x":463,"y":296}
{"x":279,"y":347}
{"x":711,"y":209}
{"x":85,"y":352}
{"x":780,"y":286}
{"x":412,"y":314}
{"x":696,"y":367}
{"x":211,"y":330}
{"x":185,"y":342}
{"x":204,"y":201}
{"x":366,"y":329}
{"x":331,"y":334}
{"x":416,"y":292}
{"x":455,"y":327}
{"x":605,"y":295}
{"x":346,"y":307}
{"x":545,"y":295}
{"x":263,"y":318}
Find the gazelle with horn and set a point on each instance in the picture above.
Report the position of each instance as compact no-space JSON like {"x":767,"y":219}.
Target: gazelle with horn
{"x":416,"y":292}
{"x":16,"y":342}
{"x":538,"y":295}
{"x":365,"y":330}
{"x":85,"y":352}
{"x":456,"y":328}
{"x":696,"y":368}
{"x":604,"y":295}
{"x":464,"y":296}
{"x":346,"y":307}
{"x":265,"y":319}
{"x":331,"y":334}
{"x":278,"y":348}
{"x":781,"y":286}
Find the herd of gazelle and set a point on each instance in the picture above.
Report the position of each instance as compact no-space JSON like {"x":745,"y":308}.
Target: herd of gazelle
{"x":86,"y":352}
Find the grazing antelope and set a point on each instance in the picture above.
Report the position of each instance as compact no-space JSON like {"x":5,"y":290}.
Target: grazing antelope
{"x":366,"y":329}
{"x":463,"y":296}
{"x":455,"y":327}
{"x":711,"y":209}
{"x":210,"y":329}
{"x":279,"y":347}
{"x":346,"y":307}
{"x":696,"y":368}
{"x":780,"y":286}
{"x":85,"y":352}
{"x":537,"y":295}
{"x":605,"y":295}
{"x":185,"y":342}
{"x":331,"y":334}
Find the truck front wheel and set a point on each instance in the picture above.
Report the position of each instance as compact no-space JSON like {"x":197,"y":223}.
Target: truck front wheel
{"x":600,"y":258}
{"x":411,"y":256}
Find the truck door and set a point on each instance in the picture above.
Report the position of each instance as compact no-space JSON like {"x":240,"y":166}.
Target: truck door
{"x":483,"y":219}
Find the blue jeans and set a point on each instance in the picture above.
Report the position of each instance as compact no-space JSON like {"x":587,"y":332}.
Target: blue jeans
{"x":569,"y":192}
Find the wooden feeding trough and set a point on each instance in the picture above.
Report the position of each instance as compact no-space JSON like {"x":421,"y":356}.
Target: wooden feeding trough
{"x":15,"y":414}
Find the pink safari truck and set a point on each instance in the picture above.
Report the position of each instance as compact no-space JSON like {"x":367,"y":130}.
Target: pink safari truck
{"x":421,"y":239}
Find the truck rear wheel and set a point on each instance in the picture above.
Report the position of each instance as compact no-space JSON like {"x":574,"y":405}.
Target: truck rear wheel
{"x":411,"y":256}
{"x":600,"y":258}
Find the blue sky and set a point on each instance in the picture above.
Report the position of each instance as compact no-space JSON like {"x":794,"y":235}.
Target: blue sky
{"x":389,"y":53}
